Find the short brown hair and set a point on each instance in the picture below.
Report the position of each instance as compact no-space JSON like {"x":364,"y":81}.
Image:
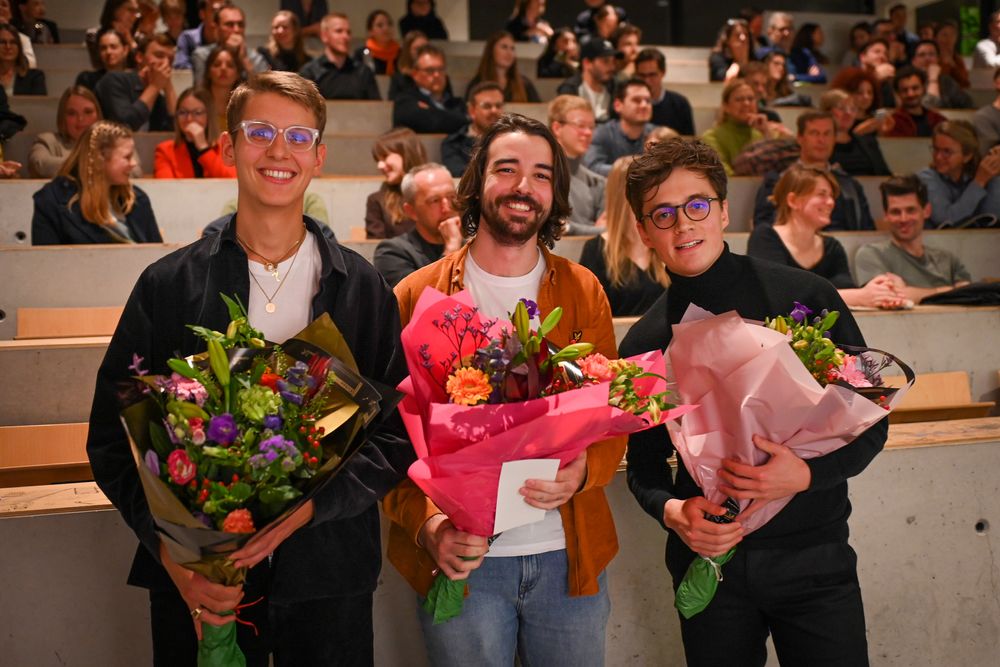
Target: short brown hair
{"x":289,"y":85}
{"x":563,"y":104}
{"x":810,"y":117}
{"x":798,"y":180}
{"x":470,"y":188}
{"x":655,"y":166}
{"x":900,"y":186}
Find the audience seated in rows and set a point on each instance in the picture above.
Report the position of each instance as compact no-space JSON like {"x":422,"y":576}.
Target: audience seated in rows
{"x":918,"y":269}
{"x":172,"y":17}
{"x":421,"y":15}
{"x":143,"y":99}
{"x":897,"y":17}
{"x":32,"y":22}
{"x":428,"y":193}
{"x":631,"y":274}
{"x":114,"y":53}
{"x":884,"y":30}
{"x":586,"y":21}
{"x":231,"y":26}
{"x":754,"y":17}
{"x":561,"y":57}
{"x":7,"y":16}
{"x":527,"y":23}
{"x":413,"y":41}
{"x":147,"y":24}
{"x":16,"y":77}
{"x":806,"y":57}
{"x":118,"y":14}
{"x":194,"y":152}
{"x":874,"y":59}
{"x":669,"y":108}
{"x":380,"y":50}
{"x":499,"y":63}
{"x":733,"y":50}
{"x":310,"y":19}
{"x":911,"y":118}
{"x":960,"y":185}
{"x":571,"y":119}
{"x":739,"y":123}
{"x":942,"y":89}
{"x":779,"y":91}
{"x":92,"y":199}
{"x":805,"y":198}
{"x":816,"y":138}
{"x":780,"y":33}
{"x":223,"y":72}
{"x":987,"y":53}
{"x":605,"y":20}
{"x":626,"y":41}
{"x":285,"y":50}
{"x":858,"y":36}
{"x":987,"y":120}
{"x":204,"y":33}
{"x":864,"y":90}
{"x":595,"y":80}
{"x":484,"y":108}
{"x":338,"y":76}
{"x":78,"y":109}
{"x":626,"y":135}
{"x":395,"y":153}
{"x":952,"y":62}
{"x":428,"y":107}
{"x":856,"y":154}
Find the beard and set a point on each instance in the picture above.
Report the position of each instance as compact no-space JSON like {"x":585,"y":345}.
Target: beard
{"x":522,"y":229}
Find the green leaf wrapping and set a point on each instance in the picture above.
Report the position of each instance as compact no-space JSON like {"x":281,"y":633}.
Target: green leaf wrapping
{"x":218,"y":647}
{"x":444,"y":599}
{"x":699,"y":584}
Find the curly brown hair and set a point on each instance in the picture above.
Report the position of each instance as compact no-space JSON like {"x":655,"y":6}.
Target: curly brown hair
{"x":470,"y":188}
{"x":656,"y":164}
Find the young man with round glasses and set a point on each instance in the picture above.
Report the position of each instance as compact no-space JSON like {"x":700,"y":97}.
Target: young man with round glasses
{"x":317,"y":571}
{"x":796,"y":577}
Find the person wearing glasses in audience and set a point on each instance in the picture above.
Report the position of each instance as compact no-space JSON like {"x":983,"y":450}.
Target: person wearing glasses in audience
{"x":16,"y":77}
{"x":317,"y":571}
{"x":338,"y":76}
{"x":571,"y":119}
{"x":194,"y":152}
{"x":796,"y":577}
{"x":428,"y":107}
{"x":484,"y":107}
{"x":231,"y":26}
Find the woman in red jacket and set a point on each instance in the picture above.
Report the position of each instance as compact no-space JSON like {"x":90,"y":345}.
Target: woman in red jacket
{"x":194,"y":152}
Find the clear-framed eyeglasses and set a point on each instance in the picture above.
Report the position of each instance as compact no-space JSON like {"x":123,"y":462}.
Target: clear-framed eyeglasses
{"x":696,"y":209}
{"x":260,"y":133}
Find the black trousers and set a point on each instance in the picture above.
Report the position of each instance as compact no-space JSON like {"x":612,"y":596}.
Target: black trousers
{"x":325,"y":631}
{"x":808,"y":600}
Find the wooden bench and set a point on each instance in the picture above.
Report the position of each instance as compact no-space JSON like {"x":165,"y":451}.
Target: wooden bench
{"x":43,"y":454}
{"x":67,"y":322}
{"x":937,"y":397}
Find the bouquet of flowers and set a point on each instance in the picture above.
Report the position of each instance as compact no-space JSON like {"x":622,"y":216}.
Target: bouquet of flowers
{"x":236,"y":439}
{"x":483,"y":393}
{"x":785,"y":381}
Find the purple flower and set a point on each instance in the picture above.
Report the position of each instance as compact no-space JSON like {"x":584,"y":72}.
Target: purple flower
{"x":532,"y":308}
{"x":222,"y":429}
{"x":800,"y":313}
{"x":136,"y":365}
{"x":292,"y":397}
{"x":297,"y":374}
{"x":152,"y":462}
{"x":204,"y":518}
{"x":271,"y":450}
{"x":171,"y":434}
{"x":272,"y":422}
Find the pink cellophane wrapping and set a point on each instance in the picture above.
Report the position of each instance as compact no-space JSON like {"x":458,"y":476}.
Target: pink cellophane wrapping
{"x":461,"y":449}
{"x":748,"y":381}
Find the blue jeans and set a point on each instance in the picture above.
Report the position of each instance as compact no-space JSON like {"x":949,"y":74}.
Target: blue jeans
{"x":522,"y":603}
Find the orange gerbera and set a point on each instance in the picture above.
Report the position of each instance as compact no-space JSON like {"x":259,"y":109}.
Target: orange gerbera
{"x":238,"y":521}
{"x":468,"y":386}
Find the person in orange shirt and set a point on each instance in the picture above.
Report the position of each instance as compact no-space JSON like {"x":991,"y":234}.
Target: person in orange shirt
{"x":194,"y":152}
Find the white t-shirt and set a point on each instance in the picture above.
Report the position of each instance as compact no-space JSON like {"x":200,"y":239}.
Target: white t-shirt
{"x":496,"y":296}
{"x":292,"y":297}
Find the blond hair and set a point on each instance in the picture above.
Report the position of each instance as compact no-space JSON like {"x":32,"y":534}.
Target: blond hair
{"x":85,"y":167}
{"x":289,"y":85}
{"x":560,"y":107}
{"x":621,"y":223}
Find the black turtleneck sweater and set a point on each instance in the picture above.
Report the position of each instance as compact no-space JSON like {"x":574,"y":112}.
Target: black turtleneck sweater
{"x":755,"y":289}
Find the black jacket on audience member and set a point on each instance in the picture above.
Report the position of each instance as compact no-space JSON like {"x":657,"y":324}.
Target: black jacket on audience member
{"x":861,"y":156}
{"x":674,"y":111}
{"x":764,"y":243}
{"x":118,"y":93}
{"x":755,"y":289}
{"x":338,"y":553}
{"x":32,"y":83}
{"x":850,"y":213}
{"x":54,"y":222}
{"x":350,"y":82}
{"x":628,"y":300}
{"x":419,"y":112}
{"x":400,"y":256}
{"x":90,"y":78}
{"x":431,"y":25}
{"x":456,"y":150}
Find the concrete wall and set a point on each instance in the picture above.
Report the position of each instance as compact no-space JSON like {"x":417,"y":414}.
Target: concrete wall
{"x":929,"y":578}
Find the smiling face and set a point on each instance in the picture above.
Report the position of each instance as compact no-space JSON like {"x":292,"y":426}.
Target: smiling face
{"x":947,"y":156}
{"x":688,"y":248}
{"x":741,"y":105}
{"x":504,"y":54}
{"x":391,"y":166}
{"x":813,"y":208}
{"x":636,"y":107}
{"x":80,"y":114}
{"x":844,"y":115}
{"x":272,"y":176}
{"x":283,"y":32}
{"x":575,"y":132}
{"x":119,"y":162}
{"x":875,"y":55}
{"x":906,"y":216}
{"x":381,"y":30}
{"x":911,"y":93}
{"x":336,"y":35}
{"x":864,"y":97}
{"x":485,"y":108}
{"x":924,"y":56}
{"x":517,"y":188}
{"x":628,"y":45}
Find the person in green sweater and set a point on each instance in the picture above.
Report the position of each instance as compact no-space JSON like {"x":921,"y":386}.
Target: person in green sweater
{"x":740,"y":123}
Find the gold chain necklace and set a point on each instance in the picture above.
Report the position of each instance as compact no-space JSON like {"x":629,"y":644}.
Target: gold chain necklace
{"x":269,"y":306}
{"x":270,"y":265}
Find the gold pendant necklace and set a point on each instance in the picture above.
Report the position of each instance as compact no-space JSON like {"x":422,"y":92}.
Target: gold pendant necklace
{"x":270,"y":306}
{"x":270,"y":265}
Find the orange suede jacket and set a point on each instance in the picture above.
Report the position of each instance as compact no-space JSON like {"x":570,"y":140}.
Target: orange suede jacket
{"x":172,"y":160}
{"x":591,"y":541}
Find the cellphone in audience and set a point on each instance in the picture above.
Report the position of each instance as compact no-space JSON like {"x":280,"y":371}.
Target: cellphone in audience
{"x":882,"y":114}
